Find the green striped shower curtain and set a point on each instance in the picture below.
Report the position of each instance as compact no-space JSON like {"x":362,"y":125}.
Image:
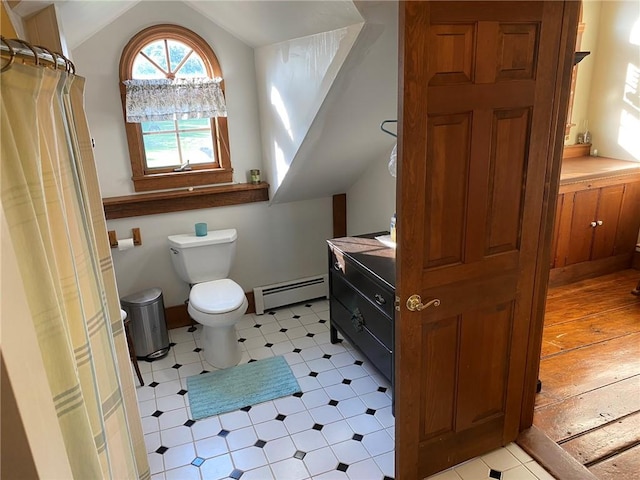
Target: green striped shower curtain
{"x":54,"y":237}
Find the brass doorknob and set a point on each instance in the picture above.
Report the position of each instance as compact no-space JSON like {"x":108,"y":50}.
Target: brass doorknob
{"x":414,"y":303}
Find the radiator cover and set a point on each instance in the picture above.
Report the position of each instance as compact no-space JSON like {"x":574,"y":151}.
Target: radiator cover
{"x":287,"y":293}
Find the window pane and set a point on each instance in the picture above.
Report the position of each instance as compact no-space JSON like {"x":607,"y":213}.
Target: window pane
{"x":156,"y":52}
{"x":159,"y":126}
{"x":192,"y":123}
{"x":161,"y":150}
{"x":193,"y":67}
{"x":144,"y":69}
{"x":197,"y":146}
{"x":177,"y":51}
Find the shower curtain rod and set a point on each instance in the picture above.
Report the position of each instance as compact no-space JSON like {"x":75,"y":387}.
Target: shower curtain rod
{"x":15,"y":47}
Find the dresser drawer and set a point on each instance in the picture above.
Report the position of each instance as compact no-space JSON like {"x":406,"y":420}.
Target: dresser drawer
{"x":376,"y":352}
{"x":379,"y":296}
{"x":378,"y":324}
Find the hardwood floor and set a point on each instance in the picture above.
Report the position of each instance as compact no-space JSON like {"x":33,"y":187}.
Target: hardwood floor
{"x":590,"y":373}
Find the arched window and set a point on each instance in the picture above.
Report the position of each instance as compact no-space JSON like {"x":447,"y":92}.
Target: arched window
{"x":184,"y":150}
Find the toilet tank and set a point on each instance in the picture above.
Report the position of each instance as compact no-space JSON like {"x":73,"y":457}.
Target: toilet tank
{"x":201,"y":259}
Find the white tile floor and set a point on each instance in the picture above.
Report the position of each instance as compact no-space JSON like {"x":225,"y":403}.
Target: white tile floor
{"x":340,"y":427}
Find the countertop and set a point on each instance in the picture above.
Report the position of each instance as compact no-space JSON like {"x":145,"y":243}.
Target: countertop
{"x":368,"y":253}
{"x":580,"y":169}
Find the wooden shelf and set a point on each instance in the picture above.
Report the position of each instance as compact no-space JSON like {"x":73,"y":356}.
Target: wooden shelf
{"x":184,"y":199}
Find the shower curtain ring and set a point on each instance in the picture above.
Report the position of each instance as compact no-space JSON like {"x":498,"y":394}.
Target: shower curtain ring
{"x":12,"y":52}
{"x":36,"y":59}
{"x":54,"y":55}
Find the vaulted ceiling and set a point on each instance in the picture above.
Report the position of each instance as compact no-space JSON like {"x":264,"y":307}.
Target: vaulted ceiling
{"x":343,"y":137}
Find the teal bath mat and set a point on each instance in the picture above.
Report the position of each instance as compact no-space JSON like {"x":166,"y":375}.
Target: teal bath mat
{"x":240,"y":386}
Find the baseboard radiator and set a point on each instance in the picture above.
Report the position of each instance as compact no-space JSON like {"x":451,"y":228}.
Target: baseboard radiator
{"x":287,"y":293}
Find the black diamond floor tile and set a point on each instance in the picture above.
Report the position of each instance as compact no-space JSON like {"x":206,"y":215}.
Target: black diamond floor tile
{"x":280,"y":417}
{"x":370,"y":411}
{"x":157,"y":413}
{"x":246,"y":409}
{"x":333,"y":403}
{"x":357,"y":437}
{"x":358,"y":362}
{"x":260,"y":444}
{"x":327,"y":356}
{"x":311,"y":335}
{"x":161,"y":449}
{"x":176,"y":366}
{"x":346,"y":381}
{"x":497,"y":474}
{"x":298,"y":394}
{"x":342,"y":467}
{"x":236,"y":474}
{"x":296,"y":350}
{"x":189,"y":423}
{"x":296,"y":316}
{"x":154,"y":384}
{"x":197,"y":349}
{"x":382,"y":389}
{"x":313,"y":374}
{"x":317,"y":426}
{"x":299,"y":455}
{"x":223,"y":433}
{"x":191,"y":329}
{"x":182,"y":392}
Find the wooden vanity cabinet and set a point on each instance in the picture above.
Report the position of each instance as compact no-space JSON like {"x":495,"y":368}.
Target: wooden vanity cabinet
{"x":597,"y":225}
{"x":362,"y":293}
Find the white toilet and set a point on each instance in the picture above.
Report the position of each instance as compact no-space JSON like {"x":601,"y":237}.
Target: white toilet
{"x":215,"y":301}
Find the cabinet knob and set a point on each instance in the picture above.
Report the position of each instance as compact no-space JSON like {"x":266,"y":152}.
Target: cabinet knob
{"x":599,"y":222}
{"x":414,"y":303}
{"x":594,"y":224}
{"x":379,"y":299}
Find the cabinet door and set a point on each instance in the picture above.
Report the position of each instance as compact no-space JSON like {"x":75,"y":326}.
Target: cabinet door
{"x":585,"y":205}
{"x":604,"y":234}
{"x":629,"y":221}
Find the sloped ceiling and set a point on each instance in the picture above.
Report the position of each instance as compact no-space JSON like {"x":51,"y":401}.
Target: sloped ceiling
{"x":344,"y":138}
{"x":256,"y":23}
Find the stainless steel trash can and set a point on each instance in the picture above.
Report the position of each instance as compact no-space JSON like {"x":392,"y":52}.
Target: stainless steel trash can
{"x":148,"y":325}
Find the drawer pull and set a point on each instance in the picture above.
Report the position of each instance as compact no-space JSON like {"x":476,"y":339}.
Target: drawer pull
{"x":357,"y":320}
{"x":414,"y":303}
{"x":379,"y":299}
{"x":337,"y":266}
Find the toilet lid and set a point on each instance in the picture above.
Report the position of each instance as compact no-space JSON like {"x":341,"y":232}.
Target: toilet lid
{"x":217,"y":296}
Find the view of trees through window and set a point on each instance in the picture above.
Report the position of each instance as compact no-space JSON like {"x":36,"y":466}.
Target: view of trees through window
{"x":172,"y":143}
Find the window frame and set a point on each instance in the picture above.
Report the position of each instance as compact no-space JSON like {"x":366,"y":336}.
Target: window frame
{"x":145,"y":180}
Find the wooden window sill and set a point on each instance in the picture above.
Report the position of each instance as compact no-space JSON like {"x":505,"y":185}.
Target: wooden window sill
{"x":184,"y":199}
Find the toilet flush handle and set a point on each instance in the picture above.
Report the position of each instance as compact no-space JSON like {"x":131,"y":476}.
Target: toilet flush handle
{"x":174,"y":251}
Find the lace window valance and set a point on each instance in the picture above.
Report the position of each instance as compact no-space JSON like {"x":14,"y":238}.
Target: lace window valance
{"x":178,"y":99}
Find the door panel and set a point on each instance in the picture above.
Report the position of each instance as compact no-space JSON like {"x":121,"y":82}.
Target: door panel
{"x":476,"y":112}
{"x":585,"y":204}
{"x":604,"y":235}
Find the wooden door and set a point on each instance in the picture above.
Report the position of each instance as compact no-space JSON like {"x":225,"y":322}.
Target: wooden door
{"x":480,"y":139}
{"x":629,"y":221}
{"x":585,"y":205}
{"x":606,"y":218}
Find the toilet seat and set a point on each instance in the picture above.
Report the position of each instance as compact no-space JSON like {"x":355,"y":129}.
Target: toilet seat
{"x":216,"y":297}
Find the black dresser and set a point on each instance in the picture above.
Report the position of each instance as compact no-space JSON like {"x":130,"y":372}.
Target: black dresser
{"x":362,"y":274}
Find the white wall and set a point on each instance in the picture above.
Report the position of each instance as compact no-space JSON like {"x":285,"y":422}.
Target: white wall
{"x":614,"y":104}
{"x":294,"y":78}
{"x":276,"y":243}
{"x":581,"y":101}
{"x":372,"y":199}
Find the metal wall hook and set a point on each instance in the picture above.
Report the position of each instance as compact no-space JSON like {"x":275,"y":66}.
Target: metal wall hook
{"x":384,"y":122}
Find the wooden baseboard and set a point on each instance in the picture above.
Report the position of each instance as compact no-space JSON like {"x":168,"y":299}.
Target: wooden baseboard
{"x":551,"y":456}
{"x":581,"y":271}
{"x":177,"y":316}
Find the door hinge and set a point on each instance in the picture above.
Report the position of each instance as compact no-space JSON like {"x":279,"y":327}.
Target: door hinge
{"x":396,"y":303}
